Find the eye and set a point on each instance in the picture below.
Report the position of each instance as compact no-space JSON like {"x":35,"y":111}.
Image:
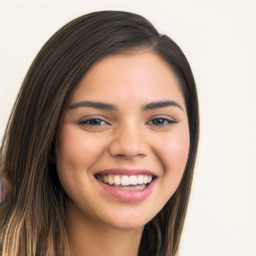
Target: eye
{"x":160,"y":121}
{"x":93,"y":122}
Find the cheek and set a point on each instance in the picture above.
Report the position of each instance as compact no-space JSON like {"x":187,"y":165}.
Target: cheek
{"x":178,"y":152}
{"x":75,"y":153}
{"x":174,"y":158}
{"x":75,"y":148}
{"x":175,"y":154}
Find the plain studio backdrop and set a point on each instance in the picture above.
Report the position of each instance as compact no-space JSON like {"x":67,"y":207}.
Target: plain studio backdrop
{"x":219,"y":40}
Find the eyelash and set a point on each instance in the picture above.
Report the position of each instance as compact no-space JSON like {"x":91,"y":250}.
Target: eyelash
{"x":89,"y":122}
{"x":165,"y":121}
{"x":98,"y":122}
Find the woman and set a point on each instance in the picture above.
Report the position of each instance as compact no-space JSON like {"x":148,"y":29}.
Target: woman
{"x":99,"y":151}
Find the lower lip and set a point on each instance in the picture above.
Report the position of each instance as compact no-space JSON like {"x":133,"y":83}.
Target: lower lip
{"x":128,"y":195}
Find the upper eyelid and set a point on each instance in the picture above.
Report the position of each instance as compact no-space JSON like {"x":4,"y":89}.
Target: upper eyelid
{"x":83,"y":121}
{"x":168,"y":117}
{"x":170,"y":121}
{"x":90,"y":117}
{"x":105,"y":119}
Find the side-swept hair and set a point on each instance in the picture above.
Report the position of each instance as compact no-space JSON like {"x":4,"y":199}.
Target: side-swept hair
{"x":33,"y":211}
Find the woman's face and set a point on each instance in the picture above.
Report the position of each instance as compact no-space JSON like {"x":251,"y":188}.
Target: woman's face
{"x":124,"y":141}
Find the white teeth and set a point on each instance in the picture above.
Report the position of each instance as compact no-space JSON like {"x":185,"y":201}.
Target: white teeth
{"x":133,"y":180}
{"x":105,"y":178}
{"x":117,"y":180}
{"x":140,"y":179}
{"x":125,"y":180}
{"x":149,"y":179}
{"x":110,"y":180}
{"x":139,"y":187}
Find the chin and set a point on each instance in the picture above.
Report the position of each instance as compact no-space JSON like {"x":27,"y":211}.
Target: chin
{"x":128,"y":221}
{"x":128,"y":226}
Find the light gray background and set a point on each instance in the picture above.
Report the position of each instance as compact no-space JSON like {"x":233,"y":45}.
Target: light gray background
{"x":219,"y":40}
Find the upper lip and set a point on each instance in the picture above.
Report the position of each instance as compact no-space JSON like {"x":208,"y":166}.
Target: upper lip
{"x":126,"y":171}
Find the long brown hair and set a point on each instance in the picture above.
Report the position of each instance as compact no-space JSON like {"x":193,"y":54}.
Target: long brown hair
{"x":33,"y":211}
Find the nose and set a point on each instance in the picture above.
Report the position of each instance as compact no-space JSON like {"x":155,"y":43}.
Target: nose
{"x":129,"y":143}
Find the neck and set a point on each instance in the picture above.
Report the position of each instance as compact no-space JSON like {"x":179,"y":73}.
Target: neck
{"x":90,"y":237}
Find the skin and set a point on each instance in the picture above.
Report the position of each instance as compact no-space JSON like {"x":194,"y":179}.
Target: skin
{"x":128,"y":137}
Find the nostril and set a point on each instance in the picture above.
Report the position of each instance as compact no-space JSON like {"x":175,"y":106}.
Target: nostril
{"x":128,"y":146}
{"x":128,"y":157}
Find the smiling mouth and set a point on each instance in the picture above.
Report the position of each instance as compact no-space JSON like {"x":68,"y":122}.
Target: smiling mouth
{"x":125,"y":182}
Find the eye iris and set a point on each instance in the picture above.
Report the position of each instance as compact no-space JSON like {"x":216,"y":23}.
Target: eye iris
{"x":159,"y":121}
{"x":95,"y":121}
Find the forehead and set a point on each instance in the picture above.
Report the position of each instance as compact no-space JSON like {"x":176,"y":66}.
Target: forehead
{"x":143,"y":75}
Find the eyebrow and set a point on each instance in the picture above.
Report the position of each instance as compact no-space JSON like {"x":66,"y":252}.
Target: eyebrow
{"x":161,"y":104}
{"x":107,"y":106}
{"x":93,"y":104}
